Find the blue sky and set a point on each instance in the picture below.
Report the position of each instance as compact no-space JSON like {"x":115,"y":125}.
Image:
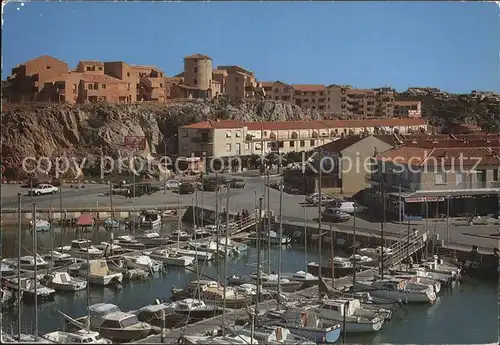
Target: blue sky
{"x":454,"y":46}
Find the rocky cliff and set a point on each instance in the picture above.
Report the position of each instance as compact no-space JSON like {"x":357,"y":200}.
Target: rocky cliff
{"x":100,"y":129}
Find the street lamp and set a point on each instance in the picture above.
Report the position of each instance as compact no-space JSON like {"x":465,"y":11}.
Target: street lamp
{"x":165,"y":141}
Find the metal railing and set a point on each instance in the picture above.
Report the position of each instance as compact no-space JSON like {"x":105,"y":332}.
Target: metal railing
{"x":405,"y":247}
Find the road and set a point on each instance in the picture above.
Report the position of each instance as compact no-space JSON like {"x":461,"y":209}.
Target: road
{"x":246,"y":198}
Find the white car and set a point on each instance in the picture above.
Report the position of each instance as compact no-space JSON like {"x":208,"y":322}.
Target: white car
{"x":325,"y":199}
{"x":172,"y":184}
{"x":43,"y":189}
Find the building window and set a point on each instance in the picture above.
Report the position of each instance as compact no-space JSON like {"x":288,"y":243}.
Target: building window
{"x":276,"y":97}
{"x":90,"y":86}
{"x":48,"y":67}
{"x":228,"y":147}
{"x":100,"y":68}
{"x":238,"y":134}
{"x":128,"y":74}
{"x":313,"y":142}
{"x":302,"y":143}
{"x":128,"y":87}
{"x":495,"y":174}
{"x":161,"y":85}
{"x":103,"y":86}
{"x":195,"y":82}
{"x":195,"y":70}
{"x":228,"y":134}
{"x":265,"y":133}
{"x":281,"y":144}
{"x":292,"y":143}
{"x":247,"y":146}
{"x":276,"y":90}
{"x":440,"y":177}
{"x":236,"y":79}
{"x":89,"y":68}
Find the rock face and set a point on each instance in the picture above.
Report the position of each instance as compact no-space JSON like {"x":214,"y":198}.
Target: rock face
{"x":100,"y":129}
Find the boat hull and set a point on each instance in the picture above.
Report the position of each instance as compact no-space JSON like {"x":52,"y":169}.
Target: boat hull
{"x":356,"y":327}
{"x":77,"y":286}
{"x":123,"y":335}
{"x":318,"y":335}
{"x":410,"y":296}
{"x":326,"y":271}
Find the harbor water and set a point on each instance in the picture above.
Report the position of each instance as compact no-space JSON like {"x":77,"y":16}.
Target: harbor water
{"x":464,"y":315}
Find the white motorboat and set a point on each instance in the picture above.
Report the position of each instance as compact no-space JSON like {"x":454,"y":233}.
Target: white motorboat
{"x":210,"y":247}
{"x":179,"y":235}
{"x":123,"y":327}
{"x":129,"y":242}
{"x":397,"y":290}
{"x":41,"y":225}
{"x":7,"y":269}
{"x":143,"y":262}
{"x":59,"y":259}
{"x":150,"y":219}
{"x":109,"y":248}
{"x":167,"y":257}
{"x":99,"y":273}
{"x":43,"y":293}
{"x":194,"y":308}
{"x":302,"y":277}
{"x":27,"y":262}
{"x":415,"y":281}
{"x":374,"y":253}
{"x":271,"y":334}
{"x":197,"y":254}
{"x":273,"y":238}
{"x":82,"y":248}
{"x":219,"y":340}
{"x":79,"y":337}
{"x":64,"y":282}
{"x":357,"y":319}
{"x":362,"y":260}
{"x":152,"y":238}
{"x":112,"y":323}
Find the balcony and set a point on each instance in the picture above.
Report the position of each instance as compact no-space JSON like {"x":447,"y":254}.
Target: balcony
{"x":414,"y":187}
{"x":202,"y":140}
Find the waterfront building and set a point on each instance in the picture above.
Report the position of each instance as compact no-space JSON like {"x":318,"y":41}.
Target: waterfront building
{"x":229,"y":138}
{"x":439,"y":177}
{"x":349,"y":159}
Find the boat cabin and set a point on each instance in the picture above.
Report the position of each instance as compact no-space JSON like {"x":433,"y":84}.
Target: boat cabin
{"x":119,"y":320}
{"x":150,"y":234}
{"x":341,"y":305}
{"x":391,"y":284}
{"x":97,"y":267}
{"x":190,"y":304}
{"x":61,"y":278}
{"x":80,"y":245}
{"x":30,"y":261}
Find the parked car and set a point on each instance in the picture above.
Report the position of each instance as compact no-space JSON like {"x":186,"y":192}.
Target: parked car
{"x":237,"y":183}
{"x":335,"y":215}
{"x":172,"y":184}
{"x":325,"y":199}
{"x":346,"y":206}
{"x":210,"y":185}
{"x":186,"y":188}
{"x":43,"y":189}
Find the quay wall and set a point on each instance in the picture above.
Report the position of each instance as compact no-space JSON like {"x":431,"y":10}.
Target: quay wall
{"x":9,"y":216}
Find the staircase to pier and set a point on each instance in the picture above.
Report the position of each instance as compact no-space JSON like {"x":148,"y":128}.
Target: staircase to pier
{"x":405,"y":247}
{"x":241,"y":224}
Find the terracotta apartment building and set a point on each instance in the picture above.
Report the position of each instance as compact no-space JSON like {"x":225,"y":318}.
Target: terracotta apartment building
{"x":334,"y":99}
{"x":48,"y":79}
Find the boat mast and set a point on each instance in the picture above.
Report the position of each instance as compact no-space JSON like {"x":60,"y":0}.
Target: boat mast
{"x":332,"y":254}
{"x":280,"y":238}
{"x":202,"y":203}
{"x":225,"y":255}
{"x":217,"y":219}
{"x":268,"y":222}
{"x":382,"y":219}
{"x":36,"y":270}
{"x":258,"y":228}
{"x":320,"y":230}
{"x":196,"y":248}
{"x":63,"y":222}
{"x":305,"y":237}
{"x":88,"y":283}
{"x":354,"y":246}
{"x":19,"y":266}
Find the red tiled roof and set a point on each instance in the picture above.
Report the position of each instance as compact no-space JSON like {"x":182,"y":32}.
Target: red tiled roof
{"x":221,"y":124}
{"x":266,"y":83}
{"x":456,"y":156}
{"x":309,"y":87}
{"x":304,"y":124}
